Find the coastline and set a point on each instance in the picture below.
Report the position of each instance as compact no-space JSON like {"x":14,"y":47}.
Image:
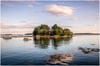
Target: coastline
{"x":37,"y":37}
{"x":40,"y":36}
{"x":31,"y":36}
{"x":47,"y":36}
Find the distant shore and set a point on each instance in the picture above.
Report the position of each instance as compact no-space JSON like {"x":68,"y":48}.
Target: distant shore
{"x":30,"y":35}
{"x":38,"y":36}
{"x":55,"y":36}
{"x":86,"y":34}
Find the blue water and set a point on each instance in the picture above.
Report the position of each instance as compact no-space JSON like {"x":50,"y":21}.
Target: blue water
{"x":16,"y":51}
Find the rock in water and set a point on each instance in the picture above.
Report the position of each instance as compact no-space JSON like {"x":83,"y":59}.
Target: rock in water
{"x":26,"y":39}
{"x":60,"y":58}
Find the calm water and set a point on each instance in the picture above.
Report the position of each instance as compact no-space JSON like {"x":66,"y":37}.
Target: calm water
{"x":16,"y":51}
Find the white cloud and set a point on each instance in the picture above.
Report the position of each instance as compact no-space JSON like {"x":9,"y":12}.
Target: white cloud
{"x":30,"y":6}
{"x":16,"y":28}
{"x":60,"y":10}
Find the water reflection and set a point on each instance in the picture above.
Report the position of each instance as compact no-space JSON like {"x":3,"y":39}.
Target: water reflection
{"x":59,"y":41}
{"x":41,"y":43}
{"x":44,"y":42}
{"x":45,"y":51}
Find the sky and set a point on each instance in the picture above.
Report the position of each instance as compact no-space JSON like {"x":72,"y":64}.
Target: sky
{"x":20,"y":16}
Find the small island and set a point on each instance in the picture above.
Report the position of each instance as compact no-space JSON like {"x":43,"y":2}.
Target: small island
{"x":44,"y":31}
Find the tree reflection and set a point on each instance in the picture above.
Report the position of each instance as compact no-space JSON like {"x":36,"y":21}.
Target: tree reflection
{"x":58,"y":41}
{"x":41,"y":43}
{"x":44,"y":42}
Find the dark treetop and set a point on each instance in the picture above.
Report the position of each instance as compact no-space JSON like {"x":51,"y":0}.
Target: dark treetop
{"x":51,"y":31}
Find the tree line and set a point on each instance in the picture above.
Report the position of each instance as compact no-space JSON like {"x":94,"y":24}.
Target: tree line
{"x":54,"y":30}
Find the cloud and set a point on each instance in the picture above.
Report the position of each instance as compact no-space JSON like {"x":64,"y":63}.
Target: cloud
{"x":60,"y":10}
{"x":16,"y":28}
{"x":30,"y":6}
{"x":66,"y":26}
{"x":26,"y":3}
{"x":20,"y":25}
{"x":89,"y":17}
{"x":7,"y":3}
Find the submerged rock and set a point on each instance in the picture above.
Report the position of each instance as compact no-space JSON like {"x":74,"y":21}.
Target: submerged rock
{"x":60,"y":58}
{"x":89,"y":50}
{"x":93,"y":44}
{"x":7,"y":37}
{"x":26,"y":39}
{"x":54,"y":61}
{"x":66,"y":58}
{"x":95,"y":49}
